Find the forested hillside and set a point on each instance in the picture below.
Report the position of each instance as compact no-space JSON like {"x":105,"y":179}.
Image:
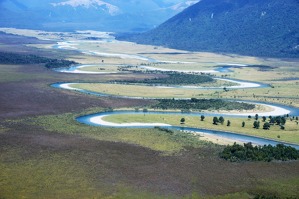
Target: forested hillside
{"x":267,"y":28}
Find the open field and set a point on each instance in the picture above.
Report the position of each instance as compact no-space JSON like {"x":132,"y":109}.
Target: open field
{"x":142,"y":91}
{"x":284,"y":93}
{"x":82,"y":162}
{"x":45,"y":153}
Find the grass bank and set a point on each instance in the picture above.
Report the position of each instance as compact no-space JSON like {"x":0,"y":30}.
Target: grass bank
{"x":290,"y":134}
{"x":154,"y":139}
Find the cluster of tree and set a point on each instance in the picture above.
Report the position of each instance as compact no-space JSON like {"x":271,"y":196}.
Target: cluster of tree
{"x":175,"y":79}
{"x":14,"y":58}
{"x":278,"y":120}
{"x":220,"y":120}
{"x":201,"y":104}
{"x":217,"y":120}
{"x":59,"y":63}
{"x":248,"y":152}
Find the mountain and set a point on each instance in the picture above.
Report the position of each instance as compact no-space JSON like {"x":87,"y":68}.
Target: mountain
{"x":104,"y":15}
{"x":267,"y":28}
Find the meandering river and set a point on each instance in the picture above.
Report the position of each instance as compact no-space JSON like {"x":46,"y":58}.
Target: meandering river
{"x":97,"y":119}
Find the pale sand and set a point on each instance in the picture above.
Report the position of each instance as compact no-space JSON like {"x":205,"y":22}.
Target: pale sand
{"x":99,"y":120}
{"x":67,"y":86}
{"x":71,"y":45}
{"x":84,"y":72}
{"x":79,"y":70}
{"x":183,"y":71}
{"x":241,"y":84}
{"x":214,"y":138}
{"x":229,"y":64}
{"x":275,"y":111}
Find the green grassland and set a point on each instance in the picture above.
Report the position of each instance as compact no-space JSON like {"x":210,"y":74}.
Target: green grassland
{"x":9,"y":73}
{"x":43,"y":177}
{"x":288,"y":92}
{"x":142,"y":91}
{"x":290,"y":134}
{"x":56,"y":175}
{"x":150,"y":138}
{"x":284,"y":92}
{"x":52,"y":175}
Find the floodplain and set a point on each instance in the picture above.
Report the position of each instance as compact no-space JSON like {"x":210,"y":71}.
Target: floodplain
{"x":46,"y":153}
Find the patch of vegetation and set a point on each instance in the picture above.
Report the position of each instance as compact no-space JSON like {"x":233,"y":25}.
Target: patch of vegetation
{"x":155,"y":139}
{"x":201,"y":104}
{"x":14,"y":58}
{"x":175,"y":78}
{"x":276,"y":189}
{"x":53,"y":176}
{"x":267,"y":153}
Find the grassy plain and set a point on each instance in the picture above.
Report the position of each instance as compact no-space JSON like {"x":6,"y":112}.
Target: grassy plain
{"x":284,"y":92}
{"x":144,"y":91}
{"x":150,"y":138}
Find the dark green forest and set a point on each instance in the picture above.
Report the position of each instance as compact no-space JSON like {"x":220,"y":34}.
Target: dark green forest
{"x":175,"y":78}
{"x":248,"y":152}
{"x":201,"y":104}
{"x":268,"y":28}
{"x":14,"y":58}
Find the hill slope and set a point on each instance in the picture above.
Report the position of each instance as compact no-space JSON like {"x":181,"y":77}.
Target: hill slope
{"x":267,"y":28}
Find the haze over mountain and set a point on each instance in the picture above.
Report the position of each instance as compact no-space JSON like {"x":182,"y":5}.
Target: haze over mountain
{"x":104,"y":15}
{"x":267,"y":28}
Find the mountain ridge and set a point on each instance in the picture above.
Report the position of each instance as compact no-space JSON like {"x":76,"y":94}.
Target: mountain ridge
{"x":268,"y":28}
{"x":102,"y":15}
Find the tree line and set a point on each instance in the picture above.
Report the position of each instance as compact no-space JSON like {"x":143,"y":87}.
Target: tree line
{"x":14,"y":58}
{"x":174,"y":78}
{"x":268,"y":153}
{"x":201,"y":104}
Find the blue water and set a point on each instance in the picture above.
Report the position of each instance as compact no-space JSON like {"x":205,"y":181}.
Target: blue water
{"x":293,"y":110}
{"x":224,"y":69}
{"x":224,"y":134}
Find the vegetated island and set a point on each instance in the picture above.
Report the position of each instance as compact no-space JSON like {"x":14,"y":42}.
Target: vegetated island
{"x":174,"y":78}
{"x":201,"y":104}
{"x":248,"y":152}
{"x":14,"y":58}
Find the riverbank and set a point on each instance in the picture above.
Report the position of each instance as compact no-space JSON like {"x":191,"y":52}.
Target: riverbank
{"x":100,"y":120}
{"x":231,"y":134}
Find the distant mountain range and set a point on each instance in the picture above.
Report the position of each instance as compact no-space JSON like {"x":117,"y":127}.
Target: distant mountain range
{"x":265,"y":28}
{"x":106,"y":15}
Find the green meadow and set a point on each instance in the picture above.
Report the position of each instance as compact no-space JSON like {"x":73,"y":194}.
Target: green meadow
{"x":290,"y":134}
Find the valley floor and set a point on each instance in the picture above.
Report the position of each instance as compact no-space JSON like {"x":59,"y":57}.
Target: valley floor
{"x":45,"y":153}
